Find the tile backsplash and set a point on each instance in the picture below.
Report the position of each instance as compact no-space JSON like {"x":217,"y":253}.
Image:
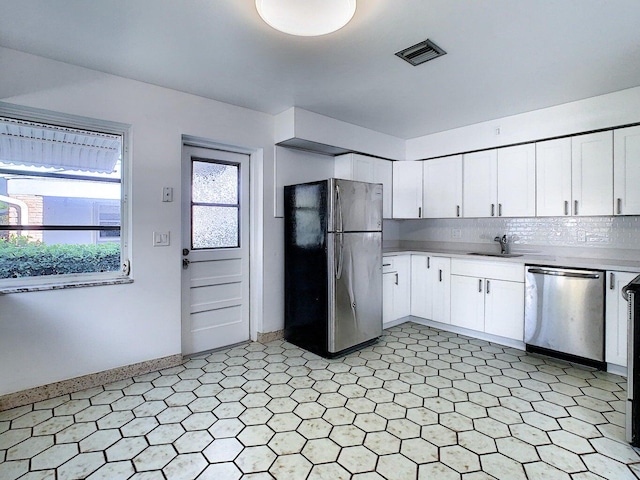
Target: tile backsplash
{"x":585,"y":232}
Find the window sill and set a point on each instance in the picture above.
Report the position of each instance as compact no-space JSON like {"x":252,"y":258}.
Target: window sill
{"x":65,"y":285}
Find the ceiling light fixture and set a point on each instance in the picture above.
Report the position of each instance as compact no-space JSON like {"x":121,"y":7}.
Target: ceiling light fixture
{"x":307,"y":18}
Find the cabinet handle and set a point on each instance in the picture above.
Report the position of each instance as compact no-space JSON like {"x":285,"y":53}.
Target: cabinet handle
{"x":480,"y":285}
{"x":386,"y":264}
{"x":488,"y":286}
{"x":619,"y":202}
{"x":396,"y":279}
{"x":493,"y":210}
{"x":612,"y":281}
{"x":440,"y":275}
{"x":419,"y":212}
{"x":457,"y":210}
{"x":566,"y":207}
{"x":575,"y":207}
{"x":499,"y":209}
{"x":428,"y":262}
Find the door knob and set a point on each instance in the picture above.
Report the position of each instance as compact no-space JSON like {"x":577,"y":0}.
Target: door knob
{"x":185,"y":263}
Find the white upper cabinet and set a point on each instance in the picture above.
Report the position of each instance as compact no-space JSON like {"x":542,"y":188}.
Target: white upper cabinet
{"x":407,"y":189}
{"x":517,"y":181}
{"x":553,"y":178}
{"x":592,"y":174}
{"x":442,"y":187}
{"x":362,"y":168}
{"x":480,"y":186}
{"x":626,"y":171}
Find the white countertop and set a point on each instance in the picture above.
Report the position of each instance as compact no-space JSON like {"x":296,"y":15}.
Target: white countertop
{"x":527,"y":258}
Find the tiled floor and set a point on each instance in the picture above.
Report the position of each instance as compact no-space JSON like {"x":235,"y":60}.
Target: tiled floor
{"x":421,"y":404}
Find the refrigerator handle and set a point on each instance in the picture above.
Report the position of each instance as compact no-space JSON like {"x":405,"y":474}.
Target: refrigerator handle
{"x":339,"y":228}
{"x":340,"y":239}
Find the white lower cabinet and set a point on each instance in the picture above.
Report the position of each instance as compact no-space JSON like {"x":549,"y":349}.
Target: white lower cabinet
{"x":396,"y":287}
{"x":431,"y":288}
{"x":488,"y":297}
{"x":616,"y":318}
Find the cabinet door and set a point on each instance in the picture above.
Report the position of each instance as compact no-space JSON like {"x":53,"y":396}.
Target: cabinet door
{"x":504,"y":309}
{"x":616,"y":318}
{"x":553,"y":178}
{"x":407,"y":189}
{"x":402,"y":287}
{"x":441,"y":289}
{"x":388,"y":290}
{"x":592,"y":174}
{"x":421,"y":286}
{"x":480,"y":185}
{"x":383,"y":173}
{"x":467,"y":302}
{"x":517,"y":181}
{"x":442,"y":187}
{"x":626,"y":171}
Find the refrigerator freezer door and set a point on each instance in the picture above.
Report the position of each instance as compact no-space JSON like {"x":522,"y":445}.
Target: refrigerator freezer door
{"x":355,"y":206}
{"x":355,"y":289}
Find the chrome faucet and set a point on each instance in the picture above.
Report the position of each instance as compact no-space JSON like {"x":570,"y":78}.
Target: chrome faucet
{"x":504,"y":244}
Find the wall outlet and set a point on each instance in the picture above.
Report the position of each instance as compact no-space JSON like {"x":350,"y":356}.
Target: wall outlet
{"x":161,"y":239}
{"x":456,"y":233}
{"x":167,"y":194}
{"x":582,"y":236}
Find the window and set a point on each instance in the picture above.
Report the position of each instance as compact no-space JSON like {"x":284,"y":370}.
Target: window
{"x":62,"y":207}
{"x":215,"y":204}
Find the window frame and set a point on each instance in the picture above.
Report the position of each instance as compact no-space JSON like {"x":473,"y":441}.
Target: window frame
{"x":85,"y":123}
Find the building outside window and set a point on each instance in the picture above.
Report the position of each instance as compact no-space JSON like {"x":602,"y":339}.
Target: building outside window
{"x":61,"y":202}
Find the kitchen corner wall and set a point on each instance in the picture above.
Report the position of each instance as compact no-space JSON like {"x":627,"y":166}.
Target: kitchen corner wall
{"x":612,"y":234}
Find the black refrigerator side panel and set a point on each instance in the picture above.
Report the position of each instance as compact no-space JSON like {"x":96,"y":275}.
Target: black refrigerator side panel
{"x":306,"y":275}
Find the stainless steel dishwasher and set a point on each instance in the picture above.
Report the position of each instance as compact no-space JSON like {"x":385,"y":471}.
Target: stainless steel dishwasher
{"x":564,"y":314}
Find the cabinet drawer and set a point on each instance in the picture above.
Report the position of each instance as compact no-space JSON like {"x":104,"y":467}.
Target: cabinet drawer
{"x":513,"y":272}
{"x":388,"y":264}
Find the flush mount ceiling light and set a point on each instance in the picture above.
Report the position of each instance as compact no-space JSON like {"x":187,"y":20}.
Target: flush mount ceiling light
{"x":307,"y":18}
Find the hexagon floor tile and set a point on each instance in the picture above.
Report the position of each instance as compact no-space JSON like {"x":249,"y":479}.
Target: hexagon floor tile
{"x":420,"y":403}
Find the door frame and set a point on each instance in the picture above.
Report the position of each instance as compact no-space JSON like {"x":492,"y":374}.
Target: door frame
{"x":256,"y":203}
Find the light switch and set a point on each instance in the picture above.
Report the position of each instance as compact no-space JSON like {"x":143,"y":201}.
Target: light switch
{"x":160,"y":239}
{"x":167,"y":194}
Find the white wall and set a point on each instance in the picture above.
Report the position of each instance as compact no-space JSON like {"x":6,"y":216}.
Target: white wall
{"x":604,"y":111}
{"x":55,"y":335}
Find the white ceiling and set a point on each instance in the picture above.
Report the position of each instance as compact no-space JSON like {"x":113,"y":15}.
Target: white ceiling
{"x":504,"y":56}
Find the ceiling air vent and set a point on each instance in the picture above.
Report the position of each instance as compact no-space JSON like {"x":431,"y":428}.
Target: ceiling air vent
{"x":421,"y":52}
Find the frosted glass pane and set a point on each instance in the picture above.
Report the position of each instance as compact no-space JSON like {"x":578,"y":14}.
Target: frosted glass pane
{"x":214,"y":227}
{"x":214,"y":183}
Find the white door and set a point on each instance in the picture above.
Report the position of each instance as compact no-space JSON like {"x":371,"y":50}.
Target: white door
{"x":517,"y":181}
{"x":421,"y":301}
{"x":616,"y":318}
{"x":592,"y":174}
{"x":441,"y":289}
{"x":480,"y":185}
{"x":467,"y":302}
{"x":215,"y":242}
{"x":553,"y":177}
{"x":504,"y":309}
{"x":626,"y":174}
{"x":442,"y":188}
{"x":407,"y":189}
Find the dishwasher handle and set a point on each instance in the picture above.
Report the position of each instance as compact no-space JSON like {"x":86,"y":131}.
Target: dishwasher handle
{"x":558,"y":273}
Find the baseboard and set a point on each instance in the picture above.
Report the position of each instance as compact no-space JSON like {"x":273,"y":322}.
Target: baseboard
{"x":270,"y":336}
{"x":65,"y":387}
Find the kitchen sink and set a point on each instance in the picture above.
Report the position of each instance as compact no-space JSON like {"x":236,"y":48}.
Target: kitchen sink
{"x":503,"y":255}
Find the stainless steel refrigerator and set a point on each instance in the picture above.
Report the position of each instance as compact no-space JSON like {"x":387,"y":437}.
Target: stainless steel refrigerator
{"x":333,"y":265}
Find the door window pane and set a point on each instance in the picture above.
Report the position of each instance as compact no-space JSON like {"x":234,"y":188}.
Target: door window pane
{"x":215,"y":227}
{"x":215,"y":183}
